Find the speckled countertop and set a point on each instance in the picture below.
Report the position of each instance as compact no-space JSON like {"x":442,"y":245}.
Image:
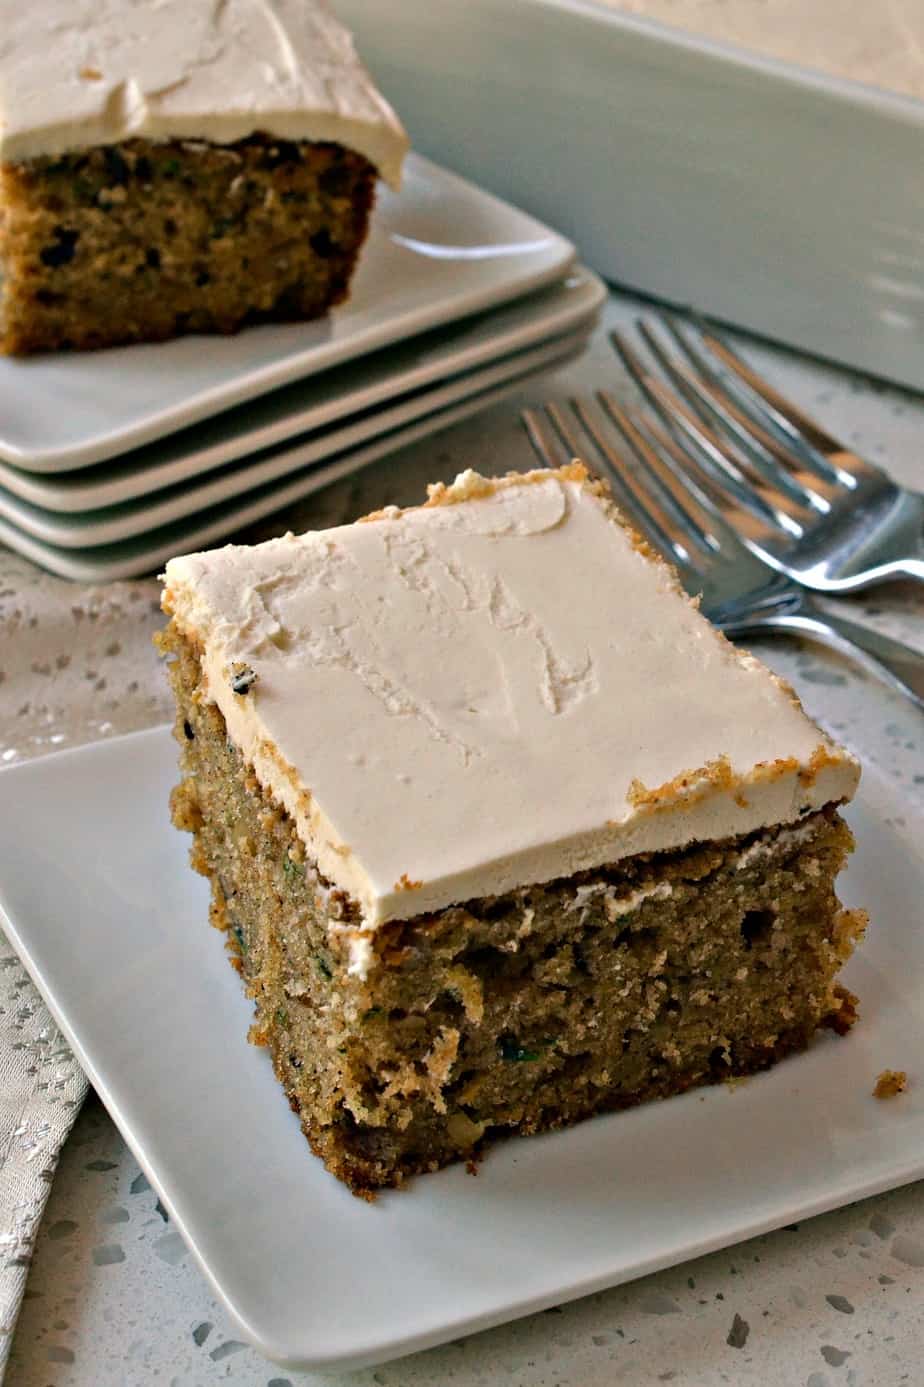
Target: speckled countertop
{"x":115,"y":1300}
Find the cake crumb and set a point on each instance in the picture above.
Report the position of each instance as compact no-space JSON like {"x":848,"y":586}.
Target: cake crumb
{"x":404,"y":883}
{"x":890,"y":1083}
{"x":844,"y":1016}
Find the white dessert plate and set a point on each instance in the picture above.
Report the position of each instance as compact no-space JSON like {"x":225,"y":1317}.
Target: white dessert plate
{"x":115,"y":523}
{"x":437,"y":251}
{"x":349,"y":390}
{"x":431,"y":410}
{"x":112,"y":924}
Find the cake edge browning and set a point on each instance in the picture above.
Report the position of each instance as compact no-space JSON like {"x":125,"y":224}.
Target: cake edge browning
{"x":289,"y":930}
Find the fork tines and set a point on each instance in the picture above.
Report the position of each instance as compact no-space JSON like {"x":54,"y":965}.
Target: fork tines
{"x":735,"y":391}
{"x":713,"y":447}
{"x":673,"y":519}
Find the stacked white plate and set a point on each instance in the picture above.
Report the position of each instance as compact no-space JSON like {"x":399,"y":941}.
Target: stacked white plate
{"x":112,"y":461}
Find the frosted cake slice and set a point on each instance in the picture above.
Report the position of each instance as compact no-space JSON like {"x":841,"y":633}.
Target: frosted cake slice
{"x":502,"y":831}
{"x":185,"y":166}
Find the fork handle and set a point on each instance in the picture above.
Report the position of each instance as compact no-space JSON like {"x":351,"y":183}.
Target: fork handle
{"x":905,"y":568}
{"x":890,"y":660}
{"x":892,"y":571}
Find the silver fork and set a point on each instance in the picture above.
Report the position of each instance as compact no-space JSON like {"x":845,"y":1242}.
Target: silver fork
{"x":739,"y":593}
{"x":800,"y":500}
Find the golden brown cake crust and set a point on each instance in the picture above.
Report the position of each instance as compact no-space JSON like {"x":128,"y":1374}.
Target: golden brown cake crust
{"x":144,"y":240}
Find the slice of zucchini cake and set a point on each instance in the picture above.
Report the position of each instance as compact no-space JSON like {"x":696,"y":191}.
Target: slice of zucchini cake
{"x":502,"y":831}
{"x":180,"y":167}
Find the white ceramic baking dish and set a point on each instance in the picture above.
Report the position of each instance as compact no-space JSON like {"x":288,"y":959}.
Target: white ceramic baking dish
{"x":779,"y":199}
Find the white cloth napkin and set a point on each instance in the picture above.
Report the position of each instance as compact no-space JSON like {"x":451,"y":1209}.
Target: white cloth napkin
{"x":41,"y":1089}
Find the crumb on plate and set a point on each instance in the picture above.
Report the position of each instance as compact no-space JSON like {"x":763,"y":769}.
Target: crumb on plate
{"x":890,"y":1082}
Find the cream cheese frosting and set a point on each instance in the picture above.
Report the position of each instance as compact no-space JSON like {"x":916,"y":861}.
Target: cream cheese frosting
{"x":498,"y":688}
{"x":91,"y":72}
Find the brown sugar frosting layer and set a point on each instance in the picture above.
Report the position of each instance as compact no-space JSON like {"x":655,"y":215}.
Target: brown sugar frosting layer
{"x":499,"y":688}
{"x":91,"y":73}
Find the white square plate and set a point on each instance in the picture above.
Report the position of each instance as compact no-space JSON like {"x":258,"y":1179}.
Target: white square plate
{"x":112,"y":924}
{"x":287,"y":474}
{"x":377,"y":382}
{"x":438,"y":250}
